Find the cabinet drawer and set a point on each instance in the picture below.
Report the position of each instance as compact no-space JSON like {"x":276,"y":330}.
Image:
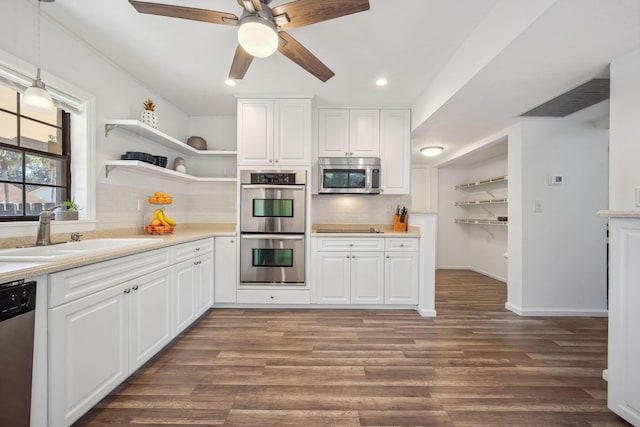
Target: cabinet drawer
{"x":273,"y":296}
{"x":72,"y":284}
{"x":401,"y":244}
{"x":189,"y":250}
{"x":344,"y":244}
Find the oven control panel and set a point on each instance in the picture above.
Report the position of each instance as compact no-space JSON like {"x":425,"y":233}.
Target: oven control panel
{"x":273,"y":178}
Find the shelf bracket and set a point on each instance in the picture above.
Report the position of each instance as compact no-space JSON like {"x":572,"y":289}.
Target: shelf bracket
{"x":107,"y":169}
{"x":490,"y":194}
{"x":487,"y":231}
{"x":108,"y":127}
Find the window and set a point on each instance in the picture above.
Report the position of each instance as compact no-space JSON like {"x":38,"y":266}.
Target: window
{"x":35,"y":159}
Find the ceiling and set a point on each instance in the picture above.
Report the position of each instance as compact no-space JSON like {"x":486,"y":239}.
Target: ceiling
{"x":467,"y":68}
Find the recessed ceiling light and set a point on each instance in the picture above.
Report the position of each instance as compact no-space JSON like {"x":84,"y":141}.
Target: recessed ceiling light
{"x":230,"y":82}
{"x":381,"y":82}
{"x":431,"y":151}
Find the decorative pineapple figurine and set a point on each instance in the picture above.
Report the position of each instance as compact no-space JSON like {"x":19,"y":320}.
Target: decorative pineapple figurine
{"x":148,"y":116}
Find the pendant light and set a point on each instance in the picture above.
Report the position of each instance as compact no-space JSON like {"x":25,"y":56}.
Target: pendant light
{"x":36,"y":98}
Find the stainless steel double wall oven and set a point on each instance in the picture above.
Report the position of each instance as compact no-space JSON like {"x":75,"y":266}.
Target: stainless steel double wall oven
{"x":272,"y":227}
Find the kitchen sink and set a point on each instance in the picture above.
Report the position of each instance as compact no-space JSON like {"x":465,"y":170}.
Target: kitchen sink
{"x":65,"y":250}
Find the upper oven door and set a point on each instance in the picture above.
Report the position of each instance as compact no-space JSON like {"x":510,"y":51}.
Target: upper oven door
{"x":267,"y":208}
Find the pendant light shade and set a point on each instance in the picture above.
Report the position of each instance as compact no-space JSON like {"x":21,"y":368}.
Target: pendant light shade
{"x":36,"y":97}
{"x":258,"y":36}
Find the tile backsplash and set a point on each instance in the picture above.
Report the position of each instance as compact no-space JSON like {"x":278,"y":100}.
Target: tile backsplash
{"x":356,"y":209}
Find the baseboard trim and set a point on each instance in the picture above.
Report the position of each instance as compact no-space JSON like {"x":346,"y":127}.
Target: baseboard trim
{"x":556,"y":312}
{"x":426,"y":312}
{"x":486,"y":273}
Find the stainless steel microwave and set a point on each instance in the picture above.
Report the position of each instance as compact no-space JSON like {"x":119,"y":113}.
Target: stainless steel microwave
{"x":349,"y":175}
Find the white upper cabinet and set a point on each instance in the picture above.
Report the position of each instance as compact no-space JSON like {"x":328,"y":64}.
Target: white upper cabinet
{"x":348,"y":133}
{"x":274,"y":132}
{"x":364,"y":133}
{"x":395,"y":151}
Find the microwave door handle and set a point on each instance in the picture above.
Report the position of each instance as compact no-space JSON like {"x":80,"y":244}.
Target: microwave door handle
{"x":270,"y":237}
{"x":273,"y":187}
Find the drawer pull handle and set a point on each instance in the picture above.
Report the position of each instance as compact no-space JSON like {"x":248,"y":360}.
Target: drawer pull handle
{"x":134,"y":287}
{"x":126,"y":291}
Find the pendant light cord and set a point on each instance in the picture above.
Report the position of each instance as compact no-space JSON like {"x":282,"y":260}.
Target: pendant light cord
{"x":38,"y":38}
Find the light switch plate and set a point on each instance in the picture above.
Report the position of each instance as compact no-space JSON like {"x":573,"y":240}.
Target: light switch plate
{"x":537,"y":206}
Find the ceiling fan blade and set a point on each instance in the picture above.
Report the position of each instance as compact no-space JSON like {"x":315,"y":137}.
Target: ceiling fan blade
{"x":299,"y":54}
{"x":255,"y":3}
{"x":240,"y":64}
{"x":306,"y":12}
{"x":185,"y":12}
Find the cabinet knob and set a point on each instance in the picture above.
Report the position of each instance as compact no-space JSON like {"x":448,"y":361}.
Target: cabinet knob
{"x":402,"y":245}
{"x":350,"y":244}
{"x":231,"y":241}
{"x":270,"y":161}
{"x":388,"y":257}
{"x":348,"y":257}
{"x":272,"y":297}
{"x":346,"y":153}
{"x":134,"y":287}
{"x":197,"y":249}
{"x":126,"y":291}
{"x":277,"y":161}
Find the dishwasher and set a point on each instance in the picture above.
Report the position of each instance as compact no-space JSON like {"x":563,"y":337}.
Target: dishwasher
{"x":17,"y":319}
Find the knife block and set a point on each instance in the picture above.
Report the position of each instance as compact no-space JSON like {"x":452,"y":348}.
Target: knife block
{"x":400,"y":226}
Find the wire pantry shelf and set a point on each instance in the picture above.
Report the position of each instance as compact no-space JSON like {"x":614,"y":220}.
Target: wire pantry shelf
{"x":479,"y":221}
{"x":482,"y":202}
{"x":502,"y":178}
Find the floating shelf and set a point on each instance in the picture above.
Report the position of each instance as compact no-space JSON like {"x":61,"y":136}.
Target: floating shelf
{"x":139,"y":128}
{"x":475,"y":221}
{"x":483,"y":182}
{"x":482,"y":202}
{"x":146,"y":168}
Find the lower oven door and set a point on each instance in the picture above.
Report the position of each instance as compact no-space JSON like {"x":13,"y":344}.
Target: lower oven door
{"x":272,"y":259}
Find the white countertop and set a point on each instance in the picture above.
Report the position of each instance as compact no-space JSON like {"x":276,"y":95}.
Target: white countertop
{"x":620,"y":214}
{"x":10,"y":271}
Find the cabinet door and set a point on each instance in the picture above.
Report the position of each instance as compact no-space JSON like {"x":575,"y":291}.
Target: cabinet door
{"x":333,"y":133}
{"x":401,"y":278}
{"x":367,"y":278}
{"x":364,"y":133}
{"x":395,"y":151}
{"x":204,"y":282}
{"x":333,"y":272}
{"x":225,"y":270}
{"x":149,"y":316}
{"x":88,"y":341}
{"x":184,"y":312}
{"x":292,"y":139}
{"x":255,"y":132}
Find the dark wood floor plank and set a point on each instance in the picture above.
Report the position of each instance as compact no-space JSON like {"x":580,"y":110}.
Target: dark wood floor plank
{"x":476,"y":364}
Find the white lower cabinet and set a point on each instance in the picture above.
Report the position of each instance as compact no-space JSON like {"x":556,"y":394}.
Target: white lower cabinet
{"x":375,"y":271}
{"x":107,"y":319}
{"x":96,"y":341}
{"x":225,"y":276}
{"x":401,"y":279}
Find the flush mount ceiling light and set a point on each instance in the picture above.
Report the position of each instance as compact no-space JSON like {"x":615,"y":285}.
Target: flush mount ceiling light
{"x":230,"y":82}
{"x":36,"y":97}
{"x":431,"y":151}
{"x":258,"y":36}
{"x":381,"y":82}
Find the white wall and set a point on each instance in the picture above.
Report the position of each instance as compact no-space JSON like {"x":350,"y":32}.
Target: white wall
{"x":563,"y":252}
{"x":480,"y":248}
{"x":68,"y":61}
{"x":624,"y":147}
{"x":424,"y":188}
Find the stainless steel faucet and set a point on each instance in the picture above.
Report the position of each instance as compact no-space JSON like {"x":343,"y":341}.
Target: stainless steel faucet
{"x":44,"y":226}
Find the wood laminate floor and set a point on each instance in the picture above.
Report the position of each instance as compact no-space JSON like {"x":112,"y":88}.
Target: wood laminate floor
{"x":476,"y":364}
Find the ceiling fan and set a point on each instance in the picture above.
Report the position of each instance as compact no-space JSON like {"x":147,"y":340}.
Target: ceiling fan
{"x":261,"y":28}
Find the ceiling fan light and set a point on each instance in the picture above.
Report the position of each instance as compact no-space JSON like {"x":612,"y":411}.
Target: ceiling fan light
{"x":257,"y":36}
{"x":431,"y":151}
{"x":36,"y":97}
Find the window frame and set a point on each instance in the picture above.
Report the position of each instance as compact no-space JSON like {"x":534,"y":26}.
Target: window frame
{"x":65,"y":131}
